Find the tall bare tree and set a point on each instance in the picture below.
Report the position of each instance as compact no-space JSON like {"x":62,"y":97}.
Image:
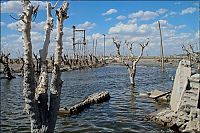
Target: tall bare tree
{"x":131,"y":68}
{"x":43,"y":117}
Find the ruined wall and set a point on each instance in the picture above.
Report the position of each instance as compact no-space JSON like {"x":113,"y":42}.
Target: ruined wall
{"x":184,"y":111}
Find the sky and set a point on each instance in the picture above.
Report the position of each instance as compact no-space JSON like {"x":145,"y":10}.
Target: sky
{"x":134,"y":21}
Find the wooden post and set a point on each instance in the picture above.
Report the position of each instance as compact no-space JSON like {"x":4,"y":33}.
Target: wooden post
{"x":161,"y":48}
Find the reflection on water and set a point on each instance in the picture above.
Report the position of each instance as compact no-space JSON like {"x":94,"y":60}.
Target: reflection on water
{"x":124,"y":112}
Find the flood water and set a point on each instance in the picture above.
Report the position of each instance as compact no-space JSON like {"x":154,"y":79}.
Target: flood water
{"x":124,"y":112}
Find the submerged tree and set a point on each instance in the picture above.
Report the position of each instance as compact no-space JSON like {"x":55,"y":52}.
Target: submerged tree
{"x":43,"y":117}
{"x":7,"y":70}
{"x":191,"y":54}
{"x":131,"y":68}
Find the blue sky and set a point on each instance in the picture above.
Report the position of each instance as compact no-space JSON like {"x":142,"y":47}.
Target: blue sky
{"x":126,"y":20}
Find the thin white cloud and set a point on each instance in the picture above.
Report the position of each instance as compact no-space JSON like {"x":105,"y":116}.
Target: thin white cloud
{"x":180,"y":26}
{"x":122,"y":28}
{"x":161,"y":11}
{"x":132,"y":21}
{"x":16,"y":6}
{"x":97,"y":36}
{"x":197,"y":35}
{"x":121,"y":17}
{"x":86,"y":25}
{"x":143,"y":15}
{"x":188,"y":10}
{"x":171,"y":36}
{"x":2,"y":24}
{"x":108,"y":19}
{"x":11,"y":7}
{"x":109,"y":12}
{"x":15,"y":25}
{"x":172,"y":13}
{"x":18,"y":25}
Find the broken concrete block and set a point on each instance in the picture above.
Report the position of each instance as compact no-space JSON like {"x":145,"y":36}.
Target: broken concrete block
{"x":183,"y":72}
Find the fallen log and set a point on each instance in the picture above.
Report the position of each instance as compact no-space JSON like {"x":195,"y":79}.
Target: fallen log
{"x":91,"y":99}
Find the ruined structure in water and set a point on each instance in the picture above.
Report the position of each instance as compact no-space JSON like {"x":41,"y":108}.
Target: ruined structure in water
{"x":184,"y":112}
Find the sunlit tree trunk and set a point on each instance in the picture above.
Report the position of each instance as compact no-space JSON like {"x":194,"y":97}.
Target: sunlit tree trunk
{"x":42,"y":87}
{"x":42,"y":117}
{"x":56,"y":82}
{"x":31,"y":106}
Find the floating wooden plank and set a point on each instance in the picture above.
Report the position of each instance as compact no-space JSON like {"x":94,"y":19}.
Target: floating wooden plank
{"x":91,"y":99}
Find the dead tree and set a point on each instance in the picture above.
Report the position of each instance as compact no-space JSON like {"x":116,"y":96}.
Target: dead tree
{"x":191,"y":54}
{"x":117,"y":45}
{"x":52,"y":60}
{"x":38,"y":63}
{"x":42,"y":117}
{"x":161,"y":48}
{"x":131,"y":68}
{"x":22,"y":67}
{"x":7,"y":71}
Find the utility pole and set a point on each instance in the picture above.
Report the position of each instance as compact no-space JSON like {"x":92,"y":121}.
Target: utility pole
{"x":104,"y":46}
{"x":93,"y":48}
{"x":161,"y":48}
{"x":73,"y":39}
{"x":96,"y":48}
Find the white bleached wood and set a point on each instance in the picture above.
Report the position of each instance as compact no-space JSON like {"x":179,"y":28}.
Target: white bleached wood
{"x":56,"y":82}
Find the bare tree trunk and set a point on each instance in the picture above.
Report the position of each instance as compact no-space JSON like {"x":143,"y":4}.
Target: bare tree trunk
{"x":161,"y":48}
{"x":56,"y":82}
{"x":36,"y":98}
{"x":132,"y":68}
{"x":29,"y":81}
{"x":42,"y":88}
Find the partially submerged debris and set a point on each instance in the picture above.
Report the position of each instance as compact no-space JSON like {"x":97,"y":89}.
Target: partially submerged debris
{"x":91,"y":99}
{"x":158,"y":95}
{"x":184,"y":112}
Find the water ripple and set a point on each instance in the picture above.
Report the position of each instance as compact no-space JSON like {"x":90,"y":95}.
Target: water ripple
{"x":124,"y":112}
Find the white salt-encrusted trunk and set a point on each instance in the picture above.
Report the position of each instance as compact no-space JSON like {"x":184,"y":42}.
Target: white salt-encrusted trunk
{"x":29,"y":81}
{"x":42,"y":88}
{"x":42,"y":117}
{"x":56,"y":82}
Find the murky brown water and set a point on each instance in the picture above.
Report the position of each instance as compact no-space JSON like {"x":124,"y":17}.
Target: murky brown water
{"x":124,"y":112}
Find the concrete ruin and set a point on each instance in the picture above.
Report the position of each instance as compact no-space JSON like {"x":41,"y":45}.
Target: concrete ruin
{"x":184,"y":111}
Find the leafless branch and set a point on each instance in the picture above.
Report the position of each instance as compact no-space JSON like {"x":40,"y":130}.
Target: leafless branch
{"x":35,"y":10}
{"x":55,"y":5}
{"x":17,"y":19}
{"x":142,"y":50}
{"x":117,"y":44}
